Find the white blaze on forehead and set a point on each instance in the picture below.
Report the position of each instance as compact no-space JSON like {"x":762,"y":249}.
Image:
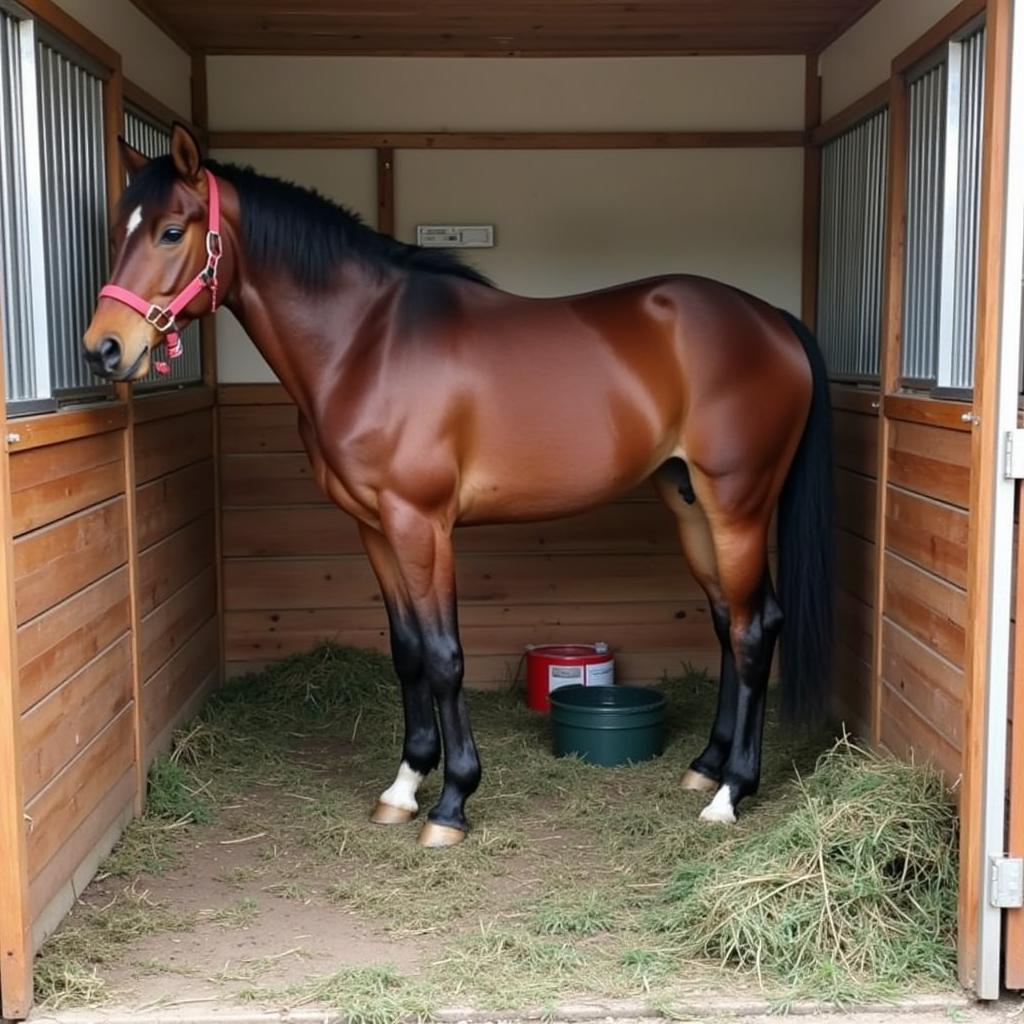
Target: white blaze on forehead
{"x":402,"y":792}
{"x":134,"y":220}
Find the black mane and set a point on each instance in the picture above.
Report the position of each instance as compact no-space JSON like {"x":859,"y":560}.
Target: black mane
{"x":288,"y":227}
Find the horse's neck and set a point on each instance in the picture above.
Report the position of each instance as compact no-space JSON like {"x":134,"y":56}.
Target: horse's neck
{"x":306,"y":336}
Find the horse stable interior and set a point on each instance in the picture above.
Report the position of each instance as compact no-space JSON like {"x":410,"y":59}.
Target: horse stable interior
{"x":859,"y":162}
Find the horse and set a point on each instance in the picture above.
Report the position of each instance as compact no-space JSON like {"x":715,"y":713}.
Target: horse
{"x":430,"y":399}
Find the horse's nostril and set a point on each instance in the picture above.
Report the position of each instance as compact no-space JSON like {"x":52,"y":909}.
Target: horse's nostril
{"x":110,"y":353}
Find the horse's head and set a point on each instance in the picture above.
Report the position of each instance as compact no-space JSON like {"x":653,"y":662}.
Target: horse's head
{"x":166,"y":234}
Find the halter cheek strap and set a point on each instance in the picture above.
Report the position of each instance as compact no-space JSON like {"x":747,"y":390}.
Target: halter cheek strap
{"x":163,"y":318}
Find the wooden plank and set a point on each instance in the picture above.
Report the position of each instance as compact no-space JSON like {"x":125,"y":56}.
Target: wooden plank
{"x":811,"y":194}
{"x":162,"y":446}
{"x":937,"y":412}
{"x":252,"y":635}
{"x":346,"y":581}
{"x":75,"y":793}
{"x":985,"y":452}
{"x":252,"y":429}
{"x":15,"y":920}
{"x":908,"y":735}
{"x":278,"y":478}
{"x":853,"y":398}
{"x":855,"y":625}
{"x":253,"y":394}
{"x":65,"y":722}
{"x":621,"y":527}
{"x":938,"y":34}
{"x":931,"y":461}
{"x":168,"y":565}
{"x":855,"y":566}
{"x":855,"y":442}
{"x":929,"y":533}
{"x":932,"y":686}
{"x":56,"y":481}
{"x":856,"y":500}
{"x":168,"y":626}
{"x":56,"y":644}
{"x":386,"y":190}
{"x":171,"y":687}
{"x":164,"y":404}
{"x":507,"y":140}
{"x":859,"y":110}
{"x":80,"y":842}
{"x":54,"y":427}
{"x":52,"y":563}
{"x":929,"y":608}
{"x":169,"y":502}
{"x":74,"y":30}
{"x":852,"y":693}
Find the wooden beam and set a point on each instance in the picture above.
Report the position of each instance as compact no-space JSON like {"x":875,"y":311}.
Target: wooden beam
{"x":386,"y":190}
{"x":15,"y":915}
{"x":54,"y":427}
{"x":150,"y":11}
{"x":938,"y":34}
{"x":892,"y":318}
{"x":113,"y":120}
{"x":57,"y":18}
{"x":812,"y":194}
{"x":984,"y":453}
{"x":858,"y":110}
{"x":507,"y":140}
{"x":200,"y":95}
{"x":148,"y":103}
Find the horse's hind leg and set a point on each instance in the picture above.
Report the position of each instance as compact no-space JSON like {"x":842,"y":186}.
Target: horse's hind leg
{"x":421,"y":748}
{"x":755,"y":620}
{"x":676,"y":490}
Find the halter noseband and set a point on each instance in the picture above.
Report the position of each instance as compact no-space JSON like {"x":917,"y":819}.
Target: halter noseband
{"x":163,"y":317}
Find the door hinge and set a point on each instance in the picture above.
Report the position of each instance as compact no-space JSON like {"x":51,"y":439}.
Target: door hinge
{"x":1013,"y":449}
{"x":1006,"y":882}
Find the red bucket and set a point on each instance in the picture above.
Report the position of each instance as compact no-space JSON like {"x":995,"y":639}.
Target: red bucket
{"x":555,"y":665}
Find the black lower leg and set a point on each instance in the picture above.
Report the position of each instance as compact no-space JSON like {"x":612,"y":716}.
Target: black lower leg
{"x":443,"y":669}
{"x":421,"y":749}
{"x":711,"y":761}
{"x":754,"y":645}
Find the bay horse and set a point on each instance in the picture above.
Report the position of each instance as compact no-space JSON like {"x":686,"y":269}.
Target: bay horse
{"x":430,"y":399}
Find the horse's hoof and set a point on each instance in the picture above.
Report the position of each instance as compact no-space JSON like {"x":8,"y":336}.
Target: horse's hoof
{"x":437,"y":837}
{"x":720,"y":810}
{"x":698,"y":782}
{"x":389,"y":814}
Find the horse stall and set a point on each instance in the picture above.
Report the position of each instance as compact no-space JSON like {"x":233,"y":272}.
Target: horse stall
{"x":857,"y":162}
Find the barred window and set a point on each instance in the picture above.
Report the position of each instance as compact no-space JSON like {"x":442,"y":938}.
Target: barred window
{"x":53,"y":210}
{"x":945,"y":110}
{"x":152,"y":138}
{"x":852,"y":230}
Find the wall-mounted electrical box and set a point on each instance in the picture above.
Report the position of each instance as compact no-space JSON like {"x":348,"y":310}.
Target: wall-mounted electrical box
{"x":455,"y":236}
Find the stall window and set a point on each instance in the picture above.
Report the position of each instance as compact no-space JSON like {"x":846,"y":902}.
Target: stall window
{"x":53,"y":210}
{"x":943,"y":200}
{"x":852,"y":225}
{"x":151,"y":137}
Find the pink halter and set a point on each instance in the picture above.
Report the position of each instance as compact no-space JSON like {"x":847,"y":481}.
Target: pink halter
{"x":163,"y":317}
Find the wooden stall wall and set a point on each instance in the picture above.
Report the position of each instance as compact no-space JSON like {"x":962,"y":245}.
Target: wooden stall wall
{"x":179,"y":630}
{"x":295,"y":574}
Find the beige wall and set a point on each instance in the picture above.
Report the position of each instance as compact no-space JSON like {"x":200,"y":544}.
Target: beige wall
{"x":148,"y":57}
{"x":501,"y":94}
{"x":861,"y":57}
{"x":564,"y":221}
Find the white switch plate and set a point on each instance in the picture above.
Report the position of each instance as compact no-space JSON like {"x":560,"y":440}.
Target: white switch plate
{"x":455,"y":236}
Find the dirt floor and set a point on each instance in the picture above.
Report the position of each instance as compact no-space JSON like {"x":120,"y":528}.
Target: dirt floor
{"x":255,"y":881}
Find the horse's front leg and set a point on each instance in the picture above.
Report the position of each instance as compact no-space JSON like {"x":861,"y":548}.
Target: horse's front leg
{"x":423,"y":553}
{"x":421,"y":749}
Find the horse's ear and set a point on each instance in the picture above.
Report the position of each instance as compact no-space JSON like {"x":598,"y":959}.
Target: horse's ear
{"x":131,"y":159}
{"x":185,"y":152}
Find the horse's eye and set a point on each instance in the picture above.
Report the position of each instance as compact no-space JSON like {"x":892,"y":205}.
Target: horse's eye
{"x":172,"y":236}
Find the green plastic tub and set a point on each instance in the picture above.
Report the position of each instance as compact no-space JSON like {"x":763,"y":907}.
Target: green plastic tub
{"x":608,"y":725}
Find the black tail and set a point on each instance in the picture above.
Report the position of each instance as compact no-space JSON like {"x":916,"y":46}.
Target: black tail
{"x":806,"y":529}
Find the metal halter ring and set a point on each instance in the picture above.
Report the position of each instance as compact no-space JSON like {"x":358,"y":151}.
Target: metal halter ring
{"x":162,"y":319}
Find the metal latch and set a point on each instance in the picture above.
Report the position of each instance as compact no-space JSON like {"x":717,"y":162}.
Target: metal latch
{"x":1013,"y":450}
{"x":1006,"y":882}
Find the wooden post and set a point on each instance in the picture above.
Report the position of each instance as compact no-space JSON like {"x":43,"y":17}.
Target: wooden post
{"x":15,"y":925}
{"x":812,"y":193}
{"x":891,"y":345}
{"x":386,"y":190}
{"x":984,"y":456}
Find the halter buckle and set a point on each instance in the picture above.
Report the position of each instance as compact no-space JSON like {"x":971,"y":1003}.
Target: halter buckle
{"x":162,"y":319}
